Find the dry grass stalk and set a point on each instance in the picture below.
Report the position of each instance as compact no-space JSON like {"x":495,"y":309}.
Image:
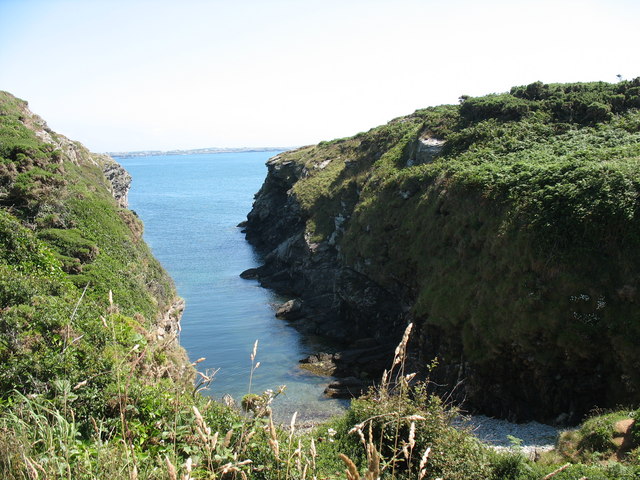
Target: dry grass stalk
{"x":297,"y":454}
{"x":409,"y":377}
{"x":422,"y":470}
{"x":31,"y":469}
{"x":292,"y":425}
{"x":198,"y":415}
{"x":275,"y":448}
{"x":313,"y":453}
{"x":351,"y":471}
{"x":171,"y":469}
{"x":188,"y":466}
{"x":205,"y":379}
{"x":414,"y":418}
{"x":253,"y":365}
{"x":373,"y":461}
{"x":401,"y":349}
{"x":399,"y":358}
{"x":227,"y":438}
{"x":273,"y":438}
{"x":254,"y":351}
{"x":214,"y":440}
{"x":201,"y":359}
{"x":556,"y":471}
{"x":412,"y":435}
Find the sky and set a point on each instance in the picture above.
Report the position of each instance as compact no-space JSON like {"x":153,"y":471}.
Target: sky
{"x":126,"y":75}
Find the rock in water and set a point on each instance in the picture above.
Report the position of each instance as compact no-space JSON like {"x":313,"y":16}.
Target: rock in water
{"x":291,"y":310}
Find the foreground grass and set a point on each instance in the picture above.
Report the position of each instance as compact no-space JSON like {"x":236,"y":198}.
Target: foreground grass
{"x":167,"y":432}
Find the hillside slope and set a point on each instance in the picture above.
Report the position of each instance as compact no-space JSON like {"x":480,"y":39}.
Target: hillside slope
{"x":506,"y":227}
{"x":79,"y":288}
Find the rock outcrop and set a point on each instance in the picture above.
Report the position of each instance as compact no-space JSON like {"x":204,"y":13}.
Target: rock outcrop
{"x":118,"y":178}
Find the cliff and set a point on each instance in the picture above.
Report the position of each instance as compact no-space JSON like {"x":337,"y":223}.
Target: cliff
{"x":505,"y":227}
{"x":81,"y":295}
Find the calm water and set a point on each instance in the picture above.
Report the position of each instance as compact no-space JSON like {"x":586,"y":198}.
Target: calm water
{"x":190,"y":205}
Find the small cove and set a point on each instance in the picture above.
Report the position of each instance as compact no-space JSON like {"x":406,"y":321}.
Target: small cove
{"x":190,"y":205}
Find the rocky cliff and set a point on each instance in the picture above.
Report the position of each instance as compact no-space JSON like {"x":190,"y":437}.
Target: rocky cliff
{"x":506,"y":227}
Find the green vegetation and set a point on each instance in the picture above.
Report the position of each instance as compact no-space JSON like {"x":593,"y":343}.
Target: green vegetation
{"x":80,"y":294}
{"x":518,"y":240}
{"x":545,"y":175}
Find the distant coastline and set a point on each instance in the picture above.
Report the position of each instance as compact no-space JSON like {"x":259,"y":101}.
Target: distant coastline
{"x":147,"y":153}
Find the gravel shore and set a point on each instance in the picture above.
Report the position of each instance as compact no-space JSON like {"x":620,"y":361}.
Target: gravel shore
{"x":529,"y":438}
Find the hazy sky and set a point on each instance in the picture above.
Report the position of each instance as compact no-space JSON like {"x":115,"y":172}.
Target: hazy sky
{"x":135,"y":75}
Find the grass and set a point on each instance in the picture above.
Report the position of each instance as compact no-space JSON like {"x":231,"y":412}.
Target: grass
{"x":396,"y":431}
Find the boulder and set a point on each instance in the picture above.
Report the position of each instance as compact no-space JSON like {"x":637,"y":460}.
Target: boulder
{"x":347,"y":388}
{"x":291,"y":310}
{"x":250,"y":274}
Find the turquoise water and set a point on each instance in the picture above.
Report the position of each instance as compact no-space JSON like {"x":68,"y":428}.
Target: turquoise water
{"x":190,"y":205}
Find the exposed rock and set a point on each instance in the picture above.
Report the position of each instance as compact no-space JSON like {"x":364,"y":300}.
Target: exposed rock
{"x":425,"y":150}
{"x":343,"y":302}
{"x":369,"y":246}
{"x":322,"y":364}
{"x":347,"y":388}
{"x":119,"y":180}
{"x":338,"y":302}
{"x":168,"y":325}
{"x":249,"y":274}
{"x":291,"y":310}
{"x":164,"y":336}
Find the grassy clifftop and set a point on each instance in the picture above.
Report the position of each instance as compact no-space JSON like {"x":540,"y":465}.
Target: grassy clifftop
{"x":88,"y":317}
{"x":66,"y":244}
{"x":509,"y":224}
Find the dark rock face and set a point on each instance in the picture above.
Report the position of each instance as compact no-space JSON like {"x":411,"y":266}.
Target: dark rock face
{"x":511,"y":388}
{"x":275,"y":215}
{"x":291,"y":310}
{"x":119,"y":180}
{"x":346,"y":388}
{"x":337,"y":302}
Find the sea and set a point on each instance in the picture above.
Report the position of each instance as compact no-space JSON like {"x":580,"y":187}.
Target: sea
{"x":191,"y":206}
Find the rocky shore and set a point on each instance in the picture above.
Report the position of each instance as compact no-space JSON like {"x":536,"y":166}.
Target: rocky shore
{"x":531,"y":438}
{"x":327,"y":299}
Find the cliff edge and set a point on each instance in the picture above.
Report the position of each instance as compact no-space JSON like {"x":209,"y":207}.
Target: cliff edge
{"x":506,"y":227}
{"x":81,"y":296}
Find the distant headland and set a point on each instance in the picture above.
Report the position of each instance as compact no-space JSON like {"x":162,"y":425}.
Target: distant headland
{"x":146,"y":153}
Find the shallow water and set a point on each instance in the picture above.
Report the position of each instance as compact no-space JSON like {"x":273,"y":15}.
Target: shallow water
{"x":190,"y":205}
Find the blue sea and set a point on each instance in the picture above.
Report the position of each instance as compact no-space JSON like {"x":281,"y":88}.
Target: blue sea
{"x":190,"y":205}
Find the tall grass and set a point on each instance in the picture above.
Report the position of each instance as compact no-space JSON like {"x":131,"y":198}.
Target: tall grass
{"x":396,"y":431}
